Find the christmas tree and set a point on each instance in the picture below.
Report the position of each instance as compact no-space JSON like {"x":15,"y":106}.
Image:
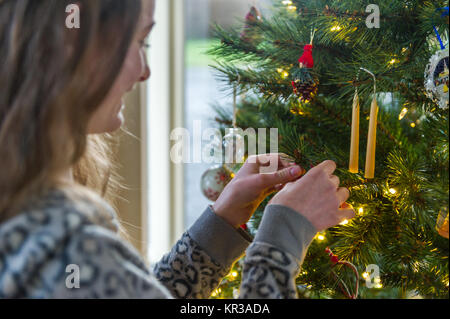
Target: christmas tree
{"x":397,"y":241}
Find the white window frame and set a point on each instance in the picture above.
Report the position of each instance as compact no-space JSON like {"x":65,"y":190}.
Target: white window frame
{"x":162,"y":111}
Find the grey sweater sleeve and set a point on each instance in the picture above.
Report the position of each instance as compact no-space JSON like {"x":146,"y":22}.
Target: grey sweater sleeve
{"x":204,"y":255}
{"x":207,"y":251}
{"x":273,"y":260}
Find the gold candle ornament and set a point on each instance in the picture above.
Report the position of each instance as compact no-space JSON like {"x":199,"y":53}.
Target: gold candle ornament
{"x":372,"y":140}
{"x":354,"y":143}
{"x":372,"y":135}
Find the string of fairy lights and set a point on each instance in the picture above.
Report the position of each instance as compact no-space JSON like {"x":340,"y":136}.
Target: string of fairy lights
{"x":389,"y":191}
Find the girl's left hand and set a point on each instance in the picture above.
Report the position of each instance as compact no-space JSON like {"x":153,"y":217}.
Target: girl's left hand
{"x":242,"y":196}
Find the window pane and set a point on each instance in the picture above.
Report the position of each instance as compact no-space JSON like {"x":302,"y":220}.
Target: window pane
{"x":201,"y":87}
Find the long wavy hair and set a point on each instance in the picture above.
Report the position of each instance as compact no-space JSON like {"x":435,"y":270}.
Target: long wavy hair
{"x":52,"y":80}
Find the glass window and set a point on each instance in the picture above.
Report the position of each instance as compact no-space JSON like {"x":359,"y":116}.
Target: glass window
{"x":202,"y":89}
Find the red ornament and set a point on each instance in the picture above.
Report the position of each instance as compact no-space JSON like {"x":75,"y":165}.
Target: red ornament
{"x":305,"y":83}
{"x":335,"y":259}
{"x":249,"y":34}
{"x":306,"y":60}
{"x":253,"y":15}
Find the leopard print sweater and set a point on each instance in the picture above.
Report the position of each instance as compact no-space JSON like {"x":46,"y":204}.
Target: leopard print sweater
{"x":54,"y":251}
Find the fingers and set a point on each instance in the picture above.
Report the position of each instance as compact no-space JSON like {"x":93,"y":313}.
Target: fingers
{"x":327,"y":166}
{"x":286,"y":160}
{"x":281,"y":177}
{"x":342,"y":194}
{"x":345,"y":214}
{"x":335,"y":180}
{"x":269,"y":163}
{"x":271,"y":171}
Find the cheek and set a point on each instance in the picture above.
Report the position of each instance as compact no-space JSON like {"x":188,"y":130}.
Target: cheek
{"x":132,"y":69}
{"x":109,"y":116}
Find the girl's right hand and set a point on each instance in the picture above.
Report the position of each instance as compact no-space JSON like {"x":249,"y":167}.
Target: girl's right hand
{"x":318,"y":197}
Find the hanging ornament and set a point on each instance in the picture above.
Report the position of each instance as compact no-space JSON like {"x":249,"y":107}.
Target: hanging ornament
{"x":436,"y":78}
{"x":214,"y":149}
{"x":436,"y":72}
{"x":306,"y":60}
{"x":233,"y":141}
{"x":305,"y":83}
{"x":234,"y":146}
{"x":442,"y":222}
{"x":372,"y":134}
{"x":251,"y":34}
{"x":214,"y":180}
{"x":335,"y":261}
{"x":354,"y":143}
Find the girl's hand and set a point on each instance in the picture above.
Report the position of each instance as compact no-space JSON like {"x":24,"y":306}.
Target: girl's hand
{"x":242,"y":196}
{"x":318,"y":197}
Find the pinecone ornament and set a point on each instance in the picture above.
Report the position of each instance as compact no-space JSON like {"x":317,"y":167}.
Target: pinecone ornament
{"x":304,"y":83}
{"x":305,"y":90}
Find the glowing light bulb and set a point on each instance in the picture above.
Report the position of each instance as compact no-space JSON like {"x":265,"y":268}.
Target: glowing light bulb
{"x":287,"y":2}
{"x":413,"y":125}
{"x":402,"y":113}
{"x":320,"y":237}
{"x":344,"y":222}
{"x":336,"y":28}
{"x":284,"y":74}
{"x":393,"y":191}
{"x":361,"y":210}
{"x":365,"y":275}
{"x":393,"y":61}
{"x":292,"y":8}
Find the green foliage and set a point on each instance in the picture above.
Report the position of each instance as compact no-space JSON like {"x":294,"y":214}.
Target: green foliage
{"x":399,"y":207}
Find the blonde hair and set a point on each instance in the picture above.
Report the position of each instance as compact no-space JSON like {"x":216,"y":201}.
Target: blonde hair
{"x":52,"y":79}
